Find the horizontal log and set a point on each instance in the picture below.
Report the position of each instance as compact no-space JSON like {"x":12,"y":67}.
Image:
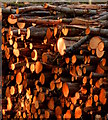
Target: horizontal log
{"x":78,"y":44}
{"x":68,"y":10}
{"x":96,"y":31}
{"x":40,"y":21}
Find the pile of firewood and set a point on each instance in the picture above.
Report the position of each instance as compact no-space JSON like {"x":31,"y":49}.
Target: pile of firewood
{"x":54,"y":61}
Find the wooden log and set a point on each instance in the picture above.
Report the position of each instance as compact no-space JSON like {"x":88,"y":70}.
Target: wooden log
{"x":87,"y":69}
{"x":99,"y":53}
{"x":29,"y":8}
{"x":70,"y":88}
{"x":40,"y":21}
{"x":68,"y":10}
{"x":78,"y":44}
{"x":92,"y":60}
{"x":45,"y":78}
{"x":96,"y":31}
{"x":97,"y":75}
{"x":77,"y":59}
{"x":94,"y":41}
{"x":8,"y":11}
{"x":103,"y":44}
{"x":104,"y":17}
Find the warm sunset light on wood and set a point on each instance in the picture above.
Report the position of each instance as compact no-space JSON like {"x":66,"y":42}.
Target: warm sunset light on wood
{"x":61,"y":46}
{"x":54,"y":60}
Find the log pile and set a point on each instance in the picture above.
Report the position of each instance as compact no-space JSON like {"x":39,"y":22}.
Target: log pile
{"x":54,"y":61}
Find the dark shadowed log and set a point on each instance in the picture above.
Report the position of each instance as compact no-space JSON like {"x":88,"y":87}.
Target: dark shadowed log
{"x":97,"y":31}
{"x":78,"y":44}
{"x":40,"y":21}
{"x":69,"y":10}
{"x":29,"y":8}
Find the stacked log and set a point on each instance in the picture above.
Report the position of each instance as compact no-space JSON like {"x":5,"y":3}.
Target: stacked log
{"x":54,"y":61}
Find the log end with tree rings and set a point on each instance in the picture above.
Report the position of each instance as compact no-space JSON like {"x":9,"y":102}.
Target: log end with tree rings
{"x":99,"y":53}
{"x":12,"y":19}
{"x":61,"y":46}
{"x":94,"y":41}
{"x":101,"y":46}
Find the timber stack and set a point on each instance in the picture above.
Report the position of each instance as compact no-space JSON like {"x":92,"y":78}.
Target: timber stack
{"x":54,"y":61}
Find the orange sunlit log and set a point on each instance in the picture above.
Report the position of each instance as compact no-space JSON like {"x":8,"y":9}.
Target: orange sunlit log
{"x":18,"y":78}
{"x":34,"y":55}
{"x":51,"y":104}
{"x":61,"y":46}
{"x":16,"y":52}
{"x":12,"y":90}
{"x":20,"y":87}
{"x":9,"y":105}
{"x":78,"y":112}
{"x":65,"y":90}
{"x":38,"y":67}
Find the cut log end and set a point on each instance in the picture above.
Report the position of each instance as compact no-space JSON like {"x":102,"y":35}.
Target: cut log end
{"x":61,"y":46}
{"x":21,"y":25}
{"x":101,"y":46}
{"x":65,"y":90}
{"x":18,"y":78}
{"x":99,"y":53}
{"x":34,"y":55}
{"x":12,"y":19}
